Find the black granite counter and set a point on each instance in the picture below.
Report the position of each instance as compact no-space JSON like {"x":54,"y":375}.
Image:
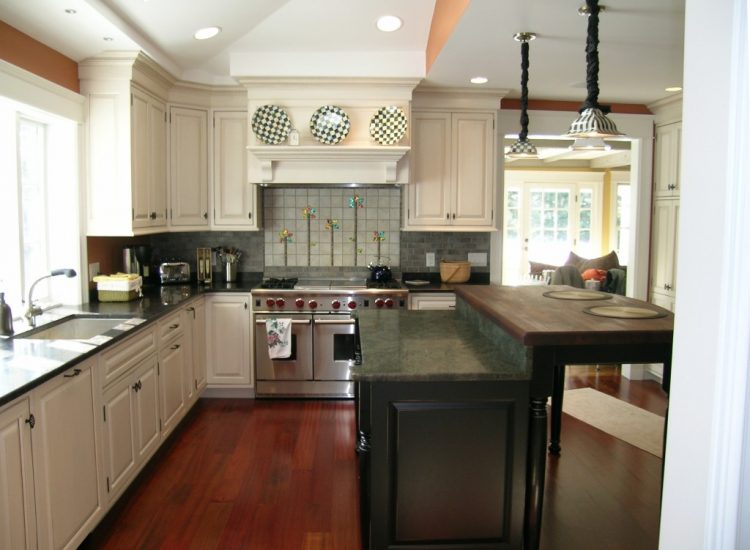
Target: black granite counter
{"x":27,"y":363}
{"x":415,"y":282}
{"x":434,"y":346}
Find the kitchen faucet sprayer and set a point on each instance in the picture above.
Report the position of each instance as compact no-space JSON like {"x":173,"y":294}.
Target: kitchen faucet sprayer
{"x":33,"y":310}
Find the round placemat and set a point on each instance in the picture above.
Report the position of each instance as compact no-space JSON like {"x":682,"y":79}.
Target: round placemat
{"x":329,"y":124}
{"x":271,"y":124}
{"x":577,"y":295}
{"x":625,"y":312}
{"x":388,"y":125}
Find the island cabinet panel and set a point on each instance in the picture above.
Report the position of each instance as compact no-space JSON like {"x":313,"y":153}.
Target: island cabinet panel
{"x":447,"y":464}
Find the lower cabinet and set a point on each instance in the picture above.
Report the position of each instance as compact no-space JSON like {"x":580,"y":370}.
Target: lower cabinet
{"x":228,"y":339}
{"x":17,"y":513}
{"x":432,"y":300}
{"x":66,"y":457}
{"x":196,"y":331}
{"x":171,"y":384}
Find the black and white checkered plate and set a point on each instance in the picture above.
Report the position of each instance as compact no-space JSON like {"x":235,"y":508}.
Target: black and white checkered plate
{"x":388,"y":125}
{"x":329,"y":124}
{"x":271,"y":124}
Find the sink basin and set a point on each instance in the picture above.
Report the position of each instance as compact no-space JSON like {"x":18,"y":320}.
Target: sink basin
{"x":74,"y":328}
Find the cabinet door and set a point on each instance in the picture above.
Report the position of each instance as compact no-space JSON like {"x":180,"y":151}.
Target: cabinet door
{"x":171,"y":384}
{"x":199,"y":345}
{"x":66,"y":464}
{"x":228,"y":342}
{"x":664,"y":246}
{"x":17,"y":514}
{"x":667,"y":160}
{"x":119,"y":435}
{"x":157,"y":119}
{"x":473,"y":172}
{"x":235,"y":200}
{"x":139,"y":158}
{"x":146,"y":409}
{"x":430,"y":190}
{"x":428,"y":301}
{"x":188,"y":151}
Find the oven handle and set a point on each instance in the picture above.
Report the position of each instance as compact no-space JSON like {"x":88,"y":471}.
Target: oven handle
{"x":334,"y":321}
{"x":294,"y":321}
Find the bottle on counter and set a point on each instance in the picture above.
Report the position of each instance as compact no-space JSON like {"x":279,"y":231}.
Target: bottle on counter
{"x":6,"y":317}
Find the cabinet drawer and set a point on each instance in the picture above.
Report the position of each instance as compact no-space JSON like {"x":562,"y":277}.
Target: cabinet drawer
{"x":122,"y":357}
{"x":171,"y":327}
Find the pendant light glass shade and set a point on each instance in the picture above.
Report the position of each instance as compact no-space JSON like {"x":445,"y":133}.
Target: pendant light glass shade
{"x":589,"y":144}
{"x":523,"y":148}
{"x":592,"y":121}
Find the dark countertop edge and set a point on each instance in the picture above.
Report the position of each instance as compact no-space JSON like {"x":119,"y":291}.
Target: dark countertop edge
{"x":436,"y":285}
{"x":434,"y":377}
{"x":243,"y":284}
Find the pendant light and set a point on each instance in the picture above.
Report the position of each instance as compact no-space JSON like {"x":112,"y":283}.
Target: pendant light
{"x":592,"y":121}
{"x":523,"y":148}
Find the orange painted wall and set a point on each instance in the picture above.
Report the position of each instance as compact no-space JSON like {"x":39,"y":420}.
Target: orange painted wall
{"x":446,"y":15}
{"x":25,"y":52}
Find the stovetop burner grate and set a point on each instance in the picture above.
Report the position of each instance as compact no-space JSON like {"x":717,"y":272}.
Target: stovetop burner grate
{"x":383,"y":284}
{"x":284,"y":283}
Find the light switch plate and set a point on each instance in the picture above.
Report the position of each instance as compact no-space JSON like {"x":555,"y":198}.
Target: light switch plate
{"x":430,"y":259}
{"x":478,"y":259}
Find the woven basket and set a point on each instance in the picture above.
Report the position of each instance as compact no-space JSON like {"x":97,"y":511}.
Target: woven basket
{"x":454,"y":271}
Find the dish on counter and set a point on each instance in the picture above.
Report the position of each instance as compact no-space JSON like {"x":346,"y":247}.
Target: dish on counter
{"x":577,"y":295}
{"x":271,"y":124}
{"x":625,"y":312}
{"x":329,"y":124}
{"x":388,"y":125}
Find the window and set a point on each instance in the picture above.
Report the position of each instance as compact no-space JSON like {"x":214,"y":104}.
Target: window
{"x":39,"y":198}
{"x":622,"y":223}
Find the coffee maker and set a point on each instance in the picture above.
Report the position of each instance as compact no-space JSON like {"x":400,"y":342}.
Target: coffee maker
{"x":137,"y":259}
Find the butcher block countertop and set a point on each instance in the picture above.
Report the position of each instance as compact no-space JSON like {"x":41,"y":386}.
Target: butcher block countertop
{"x":537,"y":320}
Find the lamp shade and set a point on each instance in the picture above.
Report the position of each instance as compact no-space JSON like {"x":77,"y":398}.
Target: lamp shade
{"x":593,"y":123}
{"x":522,"y":149}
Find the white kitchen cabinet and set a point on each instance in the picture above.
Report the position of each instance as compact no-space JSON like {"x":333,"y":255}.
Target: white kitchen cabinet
{"x":453,"y":172}
{"x":664,"y":239}
{"x":126,"y":145}
{"x":432,"y":300}
{"x":667,"y":160}
{"x":131,"y":425}
{"x":66,"y":457}
{"x":188,"y":168}
{"x":172,"y":360}
{"x":17,"y":512}
{"x":196,"y":330}
{"x":236,"y":202}
{"x":228,"y":339}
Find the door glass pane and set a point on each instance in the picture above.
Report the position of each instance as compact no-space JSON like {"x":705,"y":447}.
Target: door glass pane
{"x":549,"y":220}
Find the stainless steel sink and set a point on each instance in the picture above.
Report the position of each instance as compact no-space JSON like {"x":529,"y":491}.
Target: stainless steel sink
{"x":74,"y":328}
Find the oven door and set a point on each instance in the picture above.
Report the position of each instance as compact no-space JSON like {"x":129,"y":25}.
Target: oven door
{"x":299,"y":365}
{"x":335,"y":346}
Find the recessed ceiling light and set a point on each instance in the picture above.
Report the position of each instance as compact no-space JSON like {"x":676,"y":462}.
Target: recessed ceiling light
{"x":673,"y":89}
{"x":206,"y":32}
{"x":479,"y":80}
{"x":389,"y":23}
{"x":71,"y":11}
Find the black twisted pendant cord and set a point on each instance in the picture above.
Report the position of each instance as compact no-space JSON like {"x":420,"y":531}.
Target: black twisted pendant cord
{"x":592,"y":60}
{"x":524,"y":91}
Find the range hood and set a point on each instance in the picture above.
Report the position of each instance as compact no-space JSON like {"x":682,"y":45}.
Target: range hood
{"x":357,"y":159}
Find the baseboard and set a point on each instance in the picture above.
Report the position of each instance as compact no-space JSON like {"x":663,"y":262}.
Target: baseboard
{"x":229,"y":393}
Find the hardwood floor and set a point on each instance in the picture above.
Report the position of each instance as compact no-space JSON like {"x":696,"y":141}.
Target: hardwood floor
{"x":276,"y":475}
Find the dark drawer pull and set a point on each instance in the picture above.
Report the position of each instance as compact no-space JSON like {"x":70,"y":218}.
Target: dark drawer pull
{"x":76,"y":372}
{"x":176,"y":325}
{"x":176,"y":346}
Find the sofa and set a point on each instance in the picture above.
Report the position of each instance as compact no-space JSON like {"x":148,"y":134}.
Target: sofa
{"x":577,"y":270}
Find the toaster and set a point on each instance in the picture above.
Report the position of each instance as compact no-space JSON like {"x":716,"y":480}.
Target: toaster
{"x":174,"y":272}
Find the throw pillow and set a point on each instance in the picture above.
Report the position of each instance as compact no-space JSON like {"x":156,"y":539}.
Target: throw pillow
{"x":595,"y":274}
{"x":606,"y":262}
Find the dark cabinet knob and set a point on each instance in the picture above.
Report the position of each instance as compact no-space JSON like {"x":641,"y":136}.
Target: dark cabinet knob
{"x":152,"y":215}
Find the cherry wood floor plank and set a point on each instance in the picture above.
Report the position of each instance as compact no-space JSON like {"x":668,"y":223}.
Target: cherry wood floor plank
{"x":277,"y":475}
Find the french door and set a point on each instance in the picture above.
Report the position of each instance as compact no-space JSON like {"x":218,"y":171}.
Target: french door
{"x":545,"y":220}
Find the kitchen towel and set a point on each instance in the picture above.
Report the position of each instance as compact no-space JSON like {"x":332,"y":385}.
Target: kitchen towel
{"x":279,"y":337}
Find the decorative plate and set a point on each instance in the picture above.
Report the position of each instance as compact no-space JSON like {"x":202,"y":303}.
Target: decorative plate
{"x":577,"y":295}
{"x":271,"y":124}
{"x":625,"y":312}
{"x":329,"y":124}
{"x":388,"y":125}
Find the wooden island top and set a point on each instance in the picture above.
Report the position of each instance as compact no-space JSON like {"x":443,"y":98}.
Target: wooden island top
{"x":534,"y":319}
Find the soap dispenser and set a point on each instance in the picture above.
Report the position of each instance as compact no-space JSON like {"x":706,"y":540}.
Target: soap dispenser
{"x":6,"y":317}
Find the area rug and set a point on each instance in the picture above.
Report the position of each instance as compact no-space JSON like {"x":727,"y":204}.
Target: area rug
{"x":619,"y":419}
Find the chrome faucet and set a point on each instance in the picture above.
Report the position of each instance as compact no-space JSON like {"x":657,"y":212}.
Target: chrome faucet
{"x":33,"y":310}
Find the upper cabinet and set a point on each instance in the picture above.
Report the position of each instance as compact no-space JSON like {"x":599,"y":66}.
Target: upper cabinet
{"x":188,"y":168}
{"x":667,"y":160}
{"x":453,"y":170}
{"x":126,"y":144}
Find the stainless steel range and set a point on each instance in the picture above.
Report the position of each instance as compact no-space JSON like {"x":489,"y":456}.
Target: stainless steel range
{"x":323,"y":332}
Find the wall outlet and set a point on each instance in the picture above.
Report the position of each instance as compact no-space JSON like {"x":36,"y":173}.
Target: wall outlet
{"x":93,"y":270}
{"x":478,"y":259}
{"x":430,"y":259}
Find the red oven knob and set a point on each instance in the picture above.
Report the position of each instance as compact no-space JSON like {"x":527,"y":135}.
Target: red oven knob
{"x":352,"y":304}
{"x":313,"y":304}
{"x":299,"y":302}
{"x":388,"y":302}
{"x":379,"y":302}
{"x":335,"y":304}
{"x":270,"y":302}
{"x":280,"y":302}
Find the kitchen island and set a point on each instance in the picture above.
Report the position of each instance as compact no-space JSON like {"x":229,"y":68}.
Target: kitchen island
{"x":531,"y":328}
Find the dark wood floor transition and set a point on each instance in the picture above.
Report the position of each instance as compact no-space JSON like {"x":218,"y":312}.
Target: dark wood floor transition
{"x":277,"y":475}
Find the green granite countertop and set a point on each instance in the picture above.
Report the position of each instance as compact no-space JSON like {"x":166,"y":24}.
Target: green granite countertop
{"x":435,"y":346}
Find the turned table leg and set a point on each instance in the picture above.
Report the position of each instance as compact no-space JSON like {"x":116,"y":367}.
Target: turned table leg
{"x":558,"y":387}
{"x":536,"y":462}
